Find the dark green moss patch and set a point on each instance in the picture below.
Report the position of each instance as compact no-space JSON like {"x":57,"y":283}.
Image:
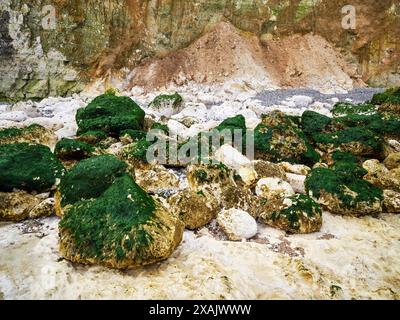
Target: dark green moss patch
{"x":313,"y":123}
{"x":361,"y":135}
{"x":341,"y":109}
{"x":29,"y":167}
{"x":111,"y":226}
{"x":110,"y":114}
{"x":338,"y":179}
{"x":90,"y":178}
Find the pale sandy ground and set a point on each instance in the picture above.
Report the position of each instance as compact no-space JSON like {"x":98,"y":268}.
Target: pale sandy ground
{"x":351,"y":258}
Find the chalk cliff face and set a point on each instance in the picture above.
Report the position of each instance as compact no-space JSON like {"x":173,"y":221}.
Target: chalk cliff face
{"x":94,"y":38}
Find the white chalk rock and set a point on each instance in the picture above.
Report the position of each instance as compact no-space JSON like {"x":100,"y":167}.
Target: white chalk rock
{"x":301,"y":101}
{"x":17,"y":116}
{"x":295,"y":168}
{"x":237,"y":224}
{"x":233,"y":159}
{"x":297,"y":182}
{"x":271,"y":188}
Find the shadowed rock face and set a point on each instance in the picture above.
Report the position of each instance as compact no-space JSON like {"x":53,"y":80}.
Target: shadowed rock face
{"x":6,"y":48}
{"x":92,"y":38}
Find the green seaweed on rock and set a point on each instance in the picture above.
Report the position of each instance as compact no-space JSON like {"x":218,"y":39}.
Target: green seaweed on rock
{"x":30,"y":167}
{"x":111,"y":226}
{"x":90,"y":178}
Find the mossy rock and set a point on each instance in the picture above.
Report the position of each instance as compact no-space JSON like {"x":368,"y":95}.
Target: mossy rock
{"x":390,"y":96}
{"x":314,"y":123}
{"x":29,"y":167}
{"x":342,"y":109}
{"x":173,"y":101}
{"x":123,"y":228}
{"x":357,"y":140}
{"x":89,"y":179}
{"x":300,"y":214}
{"x":92,"y":137}
{"x":210,"y":177}
{"x":31,"y":134}
{"x":110,"y":114}
{"x":279,"y":139}
{"x":196,"y":209}
{"x":342,"y":190}
{"x":138,"y":150}
{"x":234,"y":123}
{"x":69,"y":149}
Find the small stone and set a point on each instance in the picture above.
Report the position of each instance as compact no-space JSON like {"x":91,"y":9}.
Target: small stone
{"x":295,"y":168}
{"x":391,"y":201}
{"x":237,"y":224}
{"x":271,"y":188}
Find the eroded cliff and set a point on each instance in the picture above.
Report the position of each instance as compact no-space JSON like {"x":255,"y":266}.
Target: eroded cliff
{"x":94,"y":39}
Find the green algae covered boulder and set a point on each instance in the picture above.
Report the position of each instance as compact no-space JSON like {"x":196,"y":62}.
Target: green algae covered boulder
{"x":314,"y":123}
{"x":31,"y":134}
{"x":69,"y":149}
{"x":279,"y":139}
{"x":341,"y":189}
{"x":29,"y":167}
{"x":356,"y":140}
{"x":299,"y":214}
{"x":169,"y":104}
{"x":123,"y":228}
{"x":88,"y":179}
{"x":110,"y":114}
{"x":390,"y":96}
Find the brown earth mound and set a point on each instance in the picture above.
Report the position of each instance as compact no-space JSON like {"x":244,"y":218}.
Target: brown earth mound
{"x":224,"y":52}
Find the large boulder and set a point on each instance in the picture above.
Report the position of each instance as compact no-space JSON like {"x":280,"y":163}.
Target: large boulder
{"x":196,"y":209}
{"x":110,"y":114}
{"x":278,"y":138}
{"x":167,"y":105}
{"x":123,"y":228}
{"x":298,"y":214}
{"x":29,"y":167}
{"x":88,"y":179}
{"x":342,"y":190}
{"x":31,"y":134}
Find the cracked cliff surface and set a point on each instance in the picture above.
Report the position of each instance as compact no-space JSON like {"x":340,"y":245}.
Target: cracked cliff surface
{"x":105,"y":40}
